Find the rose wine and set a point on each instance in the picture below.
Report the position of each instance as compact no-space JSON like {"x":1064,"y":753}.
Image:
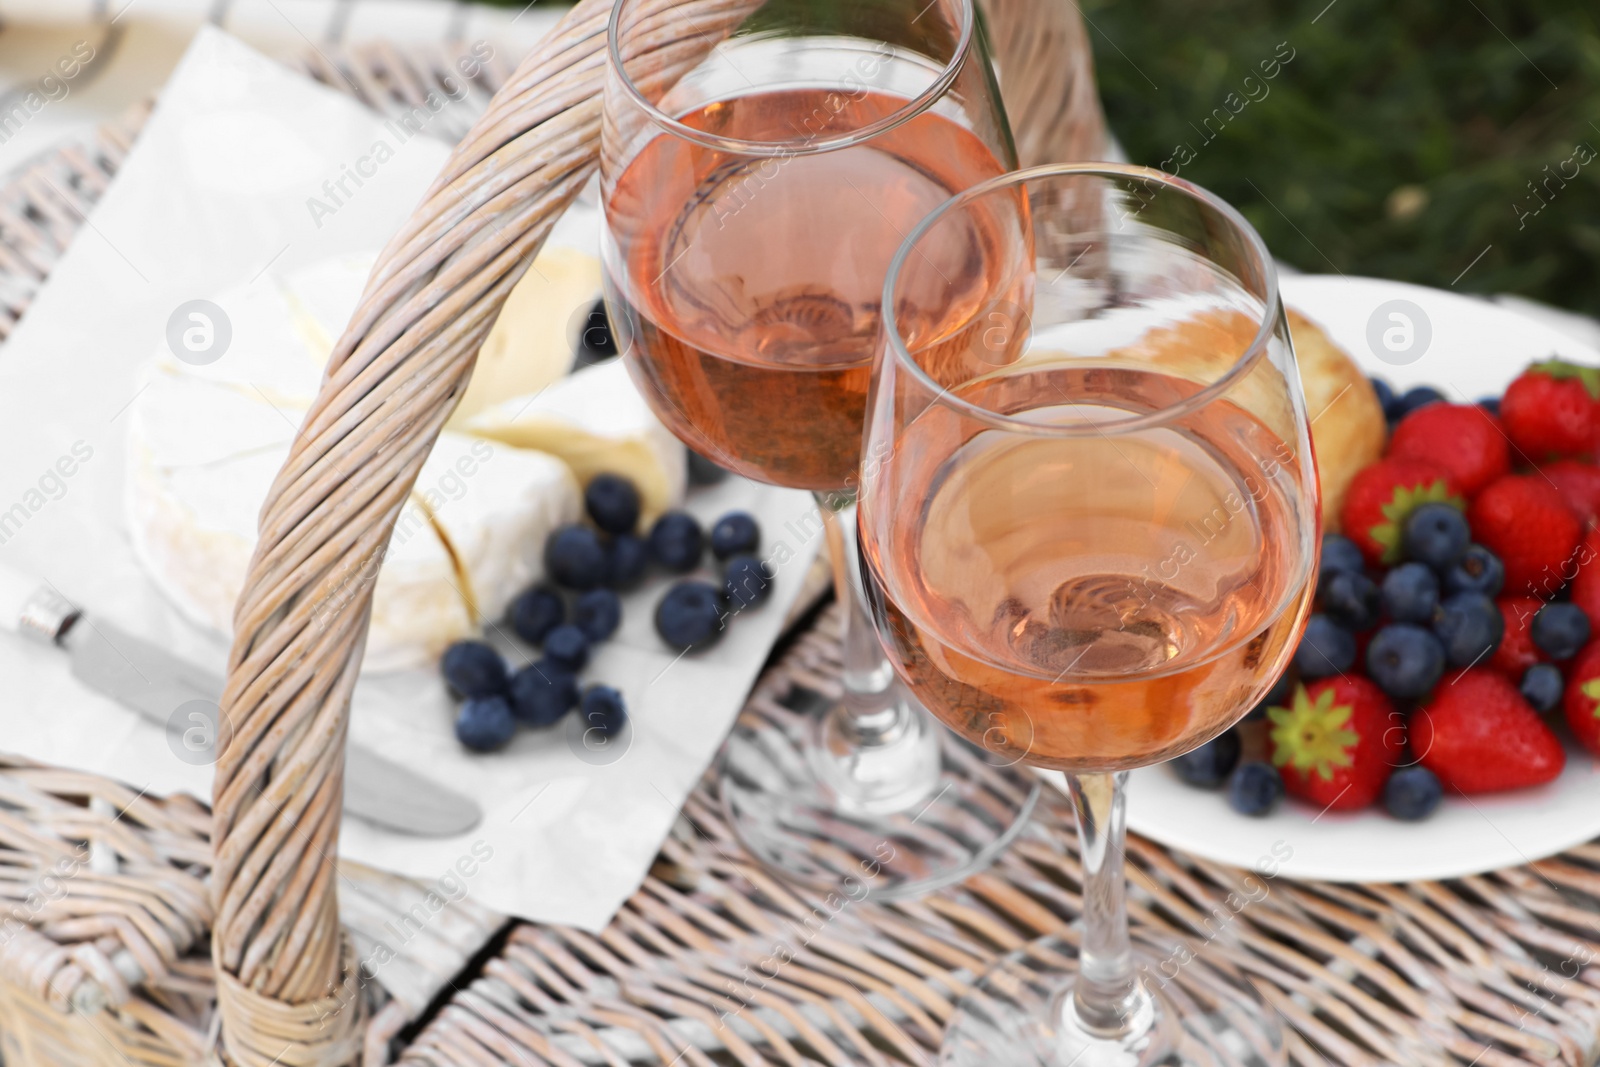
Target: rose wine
{"x":747,"y":289}
{"x":1089,"y":603}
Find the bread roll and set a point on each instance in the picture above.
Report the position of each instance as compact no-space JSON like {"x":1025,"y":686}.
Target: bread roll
{"x":1347,"y":424}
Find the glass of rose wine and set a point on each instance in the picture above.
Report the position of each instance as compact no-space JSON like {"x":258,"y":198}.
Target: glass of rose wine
{"x":760,"y":164}
{"x":1090,"y":545}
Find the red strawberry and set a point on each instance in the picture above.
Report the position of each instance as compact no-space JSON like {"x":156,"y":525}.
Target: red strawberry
{"x":1463,"y":440}
{"x":1586,"y":584}
{"x":1516,"y":652}
{"x":1479,"y":736}
{"x":1550,"y":409}
{"x":1582,"y":699}
{"x":1380,"y":498}
{"x":1579,"y":485}
{"x":1336,"y":742}
{"x":1522,"y":519}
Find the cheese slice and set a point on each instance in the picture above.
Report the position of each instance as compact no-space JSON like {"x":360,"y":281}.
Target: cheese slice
{"x":532,"y":342}
{"x":595,"y":420}
{"x":206,"y":442}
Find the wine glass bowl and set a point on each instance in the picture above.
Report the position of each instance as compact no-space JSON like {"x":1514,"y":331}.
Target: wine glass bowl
{"x":1088,"y":532}
{"x":1109,"y":558}
{"x":753,"y":206}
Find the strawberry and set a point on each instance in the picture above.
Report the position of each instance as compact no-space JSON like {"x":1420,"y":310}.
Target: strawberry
{"x":1586,"y":583}
{"x":1581,"y":702}
{"x":1522,"y":519}
{"x":1463,"y":440}
{"x":1551,"y":409}
{"x":1516,"y":652}
{"x":1579,"y":485}
{"x":1479,"y":736}
{"x":1336,"y":742}
{"x":1382,"y":495}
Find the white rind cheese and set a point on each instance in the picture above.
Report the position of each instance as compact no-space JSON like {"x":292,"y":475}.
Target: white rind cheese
{"x":596,"y":421}
{"x":205,"y":443}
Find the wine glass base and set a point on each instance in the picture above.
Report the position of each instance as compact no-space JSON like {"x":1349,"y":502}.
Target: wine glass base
{"x":904,"y":817}
{"x":1197,"y":1009}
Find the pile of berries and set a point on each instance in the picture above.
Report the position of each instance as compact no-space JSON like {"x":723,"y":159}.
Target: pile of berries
{"x":693,"y":613}
{"x":577,"y":606}
{"x":1459,"y":606}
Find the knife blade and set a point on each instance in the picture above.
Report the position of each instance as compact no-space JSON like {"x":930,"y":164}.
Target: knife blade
{"x":184,"y":699}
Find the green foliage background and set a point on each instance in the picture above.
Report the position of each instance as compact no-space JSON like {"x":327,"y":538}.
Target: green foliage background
{"x":1399,"y":141}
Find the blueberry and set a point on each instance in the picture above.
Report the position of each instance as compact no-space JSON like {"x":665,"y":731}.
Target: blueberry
{"x":1560,"y":630}
{"x":1411,"y":593}
{"x":735,"y":534}
{"x":1209,"y":765}
{"x":542,"y":692}
{"x":1277,"y":697}
{"x":596,"y":343}
{"x":597,"y":613}
{"x":603,"y":709}
{"x":575,"y":557}
{"x":747,"y":581}
{"x":627,"y":558}
{"x":703,"y":471}
{"x":536,"y":612}
{"x":690,"y":615}
{"x":1412,"y":793}
{"x":612,"y":502}
{"x":1386,"y":397}
{"x":485,"y":723}
{"x":1412,"y":399}
{"x":676,"y":542}
{"x":473,"y":669}
{"x":1491,"y":404}
{"x":1351,"y":599}
{"x":1542,"y":685}
{"x":1405,"y":661}
{"x":1477,"y":571}
{"x":1435,"y":534}
{"x":1327,"y":648}
{"x":567,"y":646}
{"x":1470,"y":627}
{"x":1255,"y":788}
{"x":1340,"y":554}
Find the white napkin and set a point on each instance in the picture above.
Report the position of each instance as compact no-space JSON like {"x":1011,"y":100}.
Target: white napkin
{"x":213,"y":194}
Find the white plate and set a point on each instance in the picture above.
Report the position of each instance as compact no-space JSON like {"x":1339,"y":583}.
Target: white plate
{"x":1475,"y":349}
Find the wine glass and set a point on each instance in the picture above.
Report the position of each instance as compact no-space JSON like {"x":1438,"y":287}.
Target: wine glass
{"x":760,"y":164}
{"x":1091,"y":542}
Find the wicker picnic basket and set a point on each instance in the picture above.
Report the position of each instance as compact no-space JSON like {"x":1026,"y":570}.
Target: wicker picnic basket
{"x":145,"y":931}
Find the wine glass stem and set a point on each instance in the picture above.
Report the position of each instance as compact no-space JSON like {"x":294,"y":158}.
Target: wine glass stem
{"x":1107,"y":995}
{"x":872,"y":707}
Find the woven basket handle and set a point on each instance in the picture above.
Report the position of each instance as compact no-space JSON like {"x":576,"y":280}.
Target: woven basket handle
{"x":287,"y":989}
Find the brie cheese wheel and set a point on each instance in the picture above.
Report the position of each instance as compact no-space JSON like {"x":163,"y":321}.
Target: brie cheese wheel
{"x":595,"y":420}
{"x":206,"y":442}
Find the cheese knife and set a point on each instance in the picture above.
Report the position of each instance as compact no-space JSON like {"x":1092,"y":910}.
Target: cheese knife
{"x":184,"y":699}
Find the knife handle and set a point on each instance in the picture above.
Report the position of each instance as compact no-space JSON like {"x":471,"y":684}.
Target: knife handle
{"x":32,"y":608}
